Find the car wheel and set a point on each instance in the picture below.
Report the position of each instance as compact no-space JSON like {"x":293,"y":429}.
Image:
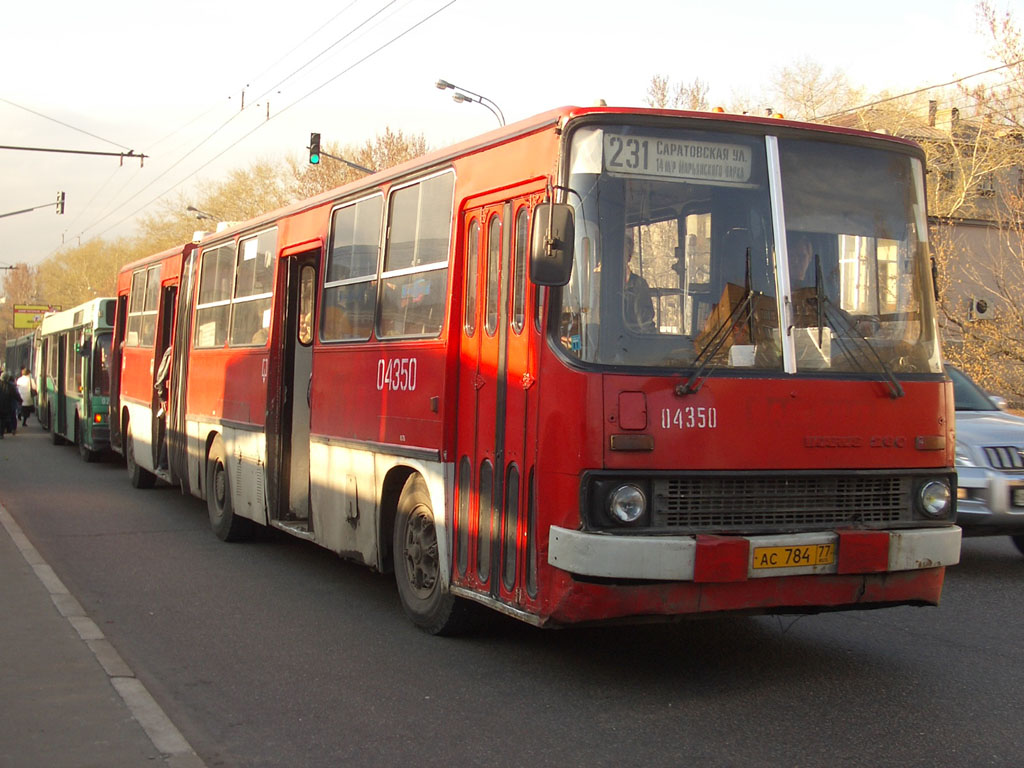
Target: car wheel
{"x":1018,"y":542}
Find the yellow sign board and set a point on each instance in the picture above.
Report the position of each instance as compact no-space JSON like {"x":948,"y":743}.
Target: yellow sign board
{"x":31,"y":315}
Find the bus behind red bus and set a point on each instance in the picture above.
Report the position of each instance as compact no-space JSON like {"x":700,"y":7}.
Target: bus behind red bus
{"x":602,"y":364}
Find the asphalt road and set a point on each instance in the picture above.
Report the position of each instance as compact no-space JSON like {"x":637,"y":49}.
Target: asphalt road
{"x":276,"y":653}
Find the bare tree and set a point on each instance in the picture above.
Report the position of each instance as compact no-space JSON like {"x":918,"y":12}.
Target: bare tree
{"x":383,"y":151}
{"x":76,"y":274}
{"x":804,"y":91}
{"x":245,"y":193}
{"x":662,"y":93}
{"x":975,"y":198}
{"x":1004,"y":102}
{"x":19,"y":287}
{"x":89,"y":271}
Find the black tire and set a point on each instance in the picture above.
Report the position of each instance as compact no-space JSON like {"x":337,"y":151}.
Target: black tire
{"x":1018,"y":541}
{"x":88,"y":455}
{"x":225,"y":523}
{"x":418,"y":567}
{"x":139,"y":477}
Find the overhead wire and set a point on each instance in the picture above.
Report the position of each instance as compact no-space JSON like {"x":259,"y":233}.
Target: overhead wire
{"x":347,"y":69}
{"x":305,"y":40}
{"x":66,"y":125}
{"x":96,"y":194}
{"x":191,"y":121}
{"x":222,"y":126}
{"x":919,"y":90}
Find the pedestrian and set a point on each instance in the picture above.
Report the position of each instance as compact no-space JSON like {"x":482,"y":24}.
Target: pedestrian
{"x":163,"y":376}
{"x":10,"y":402}
{"x":28,"y":400}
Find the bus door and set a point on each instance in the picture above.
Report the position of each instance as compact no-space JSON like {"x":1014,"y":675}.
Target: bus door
{"x":288,"y":449}
{"x":59,"y":424}
{"x":116,"y":356}
{"x":160,"y":393}
{"x":41,"y":374}
{"x":495,"y":380}
{"x":177,"y":436}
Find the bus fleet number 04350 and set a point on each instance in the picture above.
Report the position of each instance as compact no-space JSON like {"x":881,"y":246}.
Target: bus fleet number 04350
{"x":397,"y":374}
{"x":691,"y":417}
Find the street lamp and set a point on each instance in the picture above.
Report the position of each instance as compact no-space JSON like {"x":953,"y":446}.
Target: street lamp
{"x":202,"y":214}
{"x":465,"y":95}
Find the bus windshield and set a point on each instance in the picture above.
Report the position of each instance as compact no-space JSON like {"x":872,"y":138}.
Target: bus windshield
{"x":676,"y":254}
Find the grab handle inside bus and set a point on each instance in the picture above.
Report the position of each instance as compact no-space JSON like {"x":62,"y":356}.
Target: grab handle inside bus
{"x":554,"y":231}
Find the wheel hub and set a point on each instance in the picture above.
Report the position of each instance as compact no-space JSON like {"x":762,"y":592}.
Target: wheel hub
{"x":420,"y":553}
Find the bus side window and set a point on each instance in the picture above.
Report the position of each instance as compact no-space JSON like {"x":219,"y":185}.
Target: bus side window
{"x":307,"y":290}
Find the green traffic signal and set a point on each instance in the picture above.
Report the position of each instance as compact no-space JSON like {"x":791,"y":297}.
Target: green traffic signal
{"x":314,"y":148}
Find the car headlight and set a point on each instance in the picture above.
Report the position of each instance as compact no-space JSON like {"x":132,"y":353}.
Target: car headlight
{"x":934,"y":498}
{"x":627,"y":504}
{"x":963,"y":456}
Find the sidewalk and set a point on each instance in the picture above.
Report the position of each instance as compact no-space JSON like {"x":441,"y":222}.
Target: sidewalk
{"x":69,"y":700}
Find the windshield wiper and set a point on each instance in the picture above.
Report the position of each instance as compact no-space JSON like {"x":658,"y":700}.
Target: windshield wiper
{"x":742,"y":311}
{"x":840,"y":321}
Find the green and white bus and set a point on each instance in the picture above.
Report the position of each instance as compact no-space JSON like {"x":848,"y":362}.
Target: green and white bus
{"x":73,"y":376}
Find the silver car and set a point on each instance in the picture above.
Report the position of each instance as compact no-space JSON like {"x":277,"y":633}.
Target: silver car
{"x":989,"y":463}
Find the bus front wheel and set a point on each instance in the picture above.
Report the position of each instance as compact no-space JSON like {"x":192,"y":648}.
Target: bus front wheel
{"x":225,"y":523}
{"x":418,"y":566}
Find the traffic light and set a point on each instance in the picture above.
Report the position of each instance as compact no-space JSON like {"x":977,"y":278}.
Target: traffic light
{"x":314,"y":148}
{"x":60,"y":203}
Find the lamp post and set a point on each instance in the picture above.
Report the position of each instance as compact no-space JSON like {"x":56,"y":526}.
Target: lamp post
{"x":465,"y":95}
{"x":202,"y":214}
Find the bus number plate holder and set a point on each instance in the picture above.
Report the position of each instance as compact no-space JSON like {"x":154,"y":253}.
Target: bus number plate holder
{"x":794,"y":556}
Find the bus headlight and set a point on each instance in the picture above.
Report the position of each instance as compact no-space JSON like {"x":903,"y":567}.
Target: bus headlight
{"x":627,"y":504}
{"x":933,"y":498}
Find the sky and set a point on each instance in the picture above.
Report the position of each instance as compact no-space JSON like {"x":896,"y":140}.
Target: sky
{"x":169,"y":80}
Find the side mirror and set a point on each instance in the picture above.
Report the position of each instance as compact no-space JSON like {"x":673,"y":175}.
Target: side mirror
{"x":999,"y":402}
{"x":85,"y":348}
{"x":554,"y":232}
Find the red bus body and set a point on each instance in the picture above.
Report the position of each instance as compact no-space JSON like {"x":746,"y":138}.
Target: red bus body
{"x":510,"y":436}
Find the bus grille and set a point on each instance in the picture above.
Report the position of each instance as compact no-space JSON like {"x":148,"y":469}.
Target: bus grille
{"x":749,"y":503}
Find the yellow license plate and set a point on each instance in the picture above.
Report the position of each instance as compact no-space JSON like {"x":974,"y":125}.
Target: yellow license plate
{"x":794,"y":557}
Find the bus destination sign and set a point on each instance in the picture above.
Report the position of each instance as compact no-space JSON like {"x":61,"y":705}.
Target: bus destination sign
{"x":683,"y":159}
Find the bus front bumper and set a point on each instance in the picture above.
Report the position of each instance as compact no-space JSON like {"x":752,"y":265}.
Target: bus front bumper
{"x":716,"y":559}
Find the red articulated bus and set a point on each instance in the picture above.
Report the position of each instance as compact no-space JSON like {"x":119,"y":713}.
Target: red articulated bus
{"x":602,"y":364}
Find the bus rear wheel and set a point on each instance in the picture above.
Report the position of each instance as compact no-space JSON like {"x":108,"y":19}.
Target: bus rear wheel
{"x":418,"y":566}
{"x":139,"y":477}
{"x":225,"y":523}
{"x":88,"y":455}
